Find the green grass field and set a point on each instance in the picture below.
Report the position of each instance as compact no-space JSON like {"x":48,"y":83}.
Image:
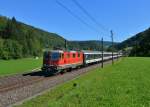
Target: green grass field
{"x":125,"y":84}
{"x":18,"y":66}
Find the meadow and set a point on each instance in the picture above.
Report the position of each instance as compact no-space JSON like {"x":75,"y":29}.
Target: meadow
{"x":124,"y":84}
{"x":10,"y":67}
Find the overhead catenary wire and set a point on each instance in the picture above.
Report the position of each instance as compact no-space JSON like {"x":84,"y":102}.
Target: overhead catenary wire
{"x":81,"y":20}
{"x":76,"y":16}
{"x":90,"y":16}
{"x":101,"y":26}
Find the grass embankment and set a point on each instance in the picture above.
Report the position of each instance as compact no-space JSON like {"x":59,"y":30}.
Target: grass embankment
{"x":10,"y":67}
{"x":125,"y":84}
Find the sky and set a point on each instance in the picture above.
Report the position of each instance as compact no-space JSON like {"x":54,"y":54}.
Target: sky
{"x":125,"y":17}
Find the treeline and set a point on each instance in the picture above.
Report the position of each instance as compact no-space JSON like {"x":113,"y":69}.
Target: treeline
{"x":19,"y":40}
{"x":138,"y":45}
{"x":90,"y":45}
{"x":84,"y":45}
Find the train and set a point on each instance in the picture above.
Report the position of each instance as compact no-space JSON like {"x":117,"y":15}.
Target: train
{"x":59,"y":61}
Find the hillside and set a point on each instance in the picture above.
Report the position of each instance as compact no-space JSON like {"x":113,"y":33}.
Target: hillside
{"x":139,"y":44}
{"x":19,"y":40}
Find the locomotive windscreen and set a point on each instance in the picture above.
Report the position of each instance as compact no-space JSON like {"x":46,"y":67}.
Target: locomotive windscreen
{"x":55,"y":55}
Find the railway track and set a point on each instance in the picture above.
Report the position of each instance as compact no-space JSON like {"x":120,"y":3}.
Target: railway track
{"x":19,"y":87}
{"x":21,"y":83}
{"x":21,"y":80}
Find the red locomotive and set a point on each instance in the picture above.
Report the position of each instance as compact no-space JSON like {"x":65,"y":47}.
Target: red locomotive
{"x":58,"y":60}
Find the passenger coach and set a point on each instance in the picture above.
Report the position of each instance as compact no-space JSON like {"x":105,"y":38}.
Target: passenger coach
{"x":96,"y":56}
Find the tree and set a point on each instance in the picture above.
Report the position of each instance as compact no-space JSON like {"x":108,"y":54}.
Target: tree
{"x":1,"y":48}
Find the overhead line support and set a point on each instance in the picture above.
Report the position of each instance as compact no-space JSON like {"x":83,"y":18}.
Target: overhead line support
{"x":112,"y":39}
{"x":102,"y":42}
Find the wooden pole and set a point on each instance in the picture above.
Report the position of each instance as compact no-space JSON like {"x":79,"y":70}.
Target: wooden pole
{"x":65,"y":44}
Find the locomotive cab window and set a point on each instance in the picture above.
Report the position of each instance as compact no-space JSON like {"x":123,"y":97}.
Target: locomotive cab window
{"x":78,"y":54}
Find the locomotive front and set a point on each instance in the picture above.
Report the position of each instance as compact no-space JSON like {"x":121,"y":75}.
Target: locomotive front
{"x":51,"y":61}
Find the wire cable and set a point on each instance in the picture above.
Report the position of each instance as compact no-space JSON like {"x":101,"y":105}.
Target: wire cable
{"x":89,"y":15}
{"x":76,"y":16}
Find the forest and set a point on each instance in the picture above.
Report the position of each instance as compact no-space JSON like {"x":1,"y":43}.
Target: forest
{"x":19,"y":40}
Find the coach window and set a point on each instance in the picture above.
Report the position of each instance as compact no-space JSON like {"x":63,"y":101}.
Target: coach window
{"x":93,"y":56}
{"x":89,"y":57}
{"x":97,"y":55}
{"x":74,"y":55}
{"x":86,"y":57}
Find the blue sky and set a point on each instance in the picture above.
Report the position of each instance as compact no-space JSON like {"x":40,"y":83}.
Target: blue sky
{"x":124,"y":17}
